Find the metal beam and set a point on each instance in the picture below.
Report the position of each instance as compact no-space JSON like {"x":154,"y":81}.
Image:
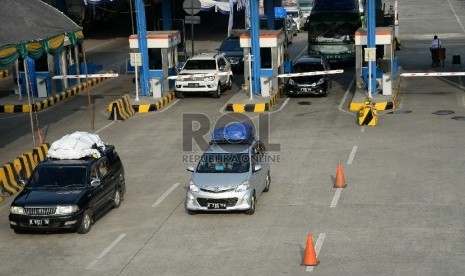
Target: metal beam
{"x":371,"y":43}
{"x":255,"y":45}
{"x":142,"y":40}
{"x":166,"y":13}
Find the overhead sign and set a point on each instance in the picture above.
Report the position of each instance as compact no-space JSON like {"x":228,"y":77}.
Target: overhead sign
{"x":191,"y":19}
{"x":192,"y":6}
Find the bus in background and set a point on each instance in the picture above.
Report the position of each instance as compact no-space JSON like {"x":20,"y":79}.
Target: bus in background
{"x":306,"y":7}
{"x":331,"y":29}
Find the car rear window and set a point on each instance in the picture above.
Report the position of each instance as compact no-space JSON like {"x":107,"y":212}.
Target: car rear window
{"x":231,"y":45}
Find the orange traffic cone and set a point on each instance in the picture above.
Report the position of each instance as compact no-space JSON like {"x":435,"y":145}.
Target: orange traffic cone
{"x":310,"y":255}
{"x":340,"y":181}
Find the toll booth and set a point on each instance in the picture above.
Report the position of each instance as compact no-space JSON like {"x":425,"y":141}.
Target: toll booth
{"x":386,"y":61}
{"x":163,"y":58}
{"x":42,"y":70}
{"x":271,"y":56}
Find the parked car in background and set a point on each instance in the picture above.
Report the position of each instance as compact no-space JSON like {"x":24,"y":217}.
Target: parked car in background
{"x":296,"y":14}
{"x":205,"y":72}
{"x":284,"y":23}
{"x":316,"y":85}
{"x":232,"y":50}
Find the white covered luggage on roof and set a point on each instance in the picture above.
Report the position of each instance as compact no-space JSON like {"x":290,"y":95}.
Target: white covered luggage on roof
{"x":76,"y":145}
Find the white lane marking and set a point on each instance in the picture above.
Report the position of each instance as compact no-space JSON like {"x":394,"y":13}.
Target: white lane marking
{"x":336,"y":196}
{"x":163,"y":196}
{"x":169,"y":106}
{"x":283,"y":105}
{"x":105,"y":251}
{"x":363,"y":129}
{"x":352,"y":155}
{"x":346,"y":94}
{"x":318,"y":245}
{"x":106,"y":126}
{"x":456,"y":17}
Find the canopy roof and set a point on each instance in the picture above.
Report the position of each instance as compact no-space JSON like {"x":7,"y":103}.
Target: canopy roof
{"x":31,"y":20}
{"x":30,"y":28}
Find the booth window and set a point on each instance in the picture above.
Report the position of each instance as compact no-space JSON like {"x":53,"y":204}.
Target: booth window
{"x":41,"y":64}
{"x":265,"y":57}
{"x":155,"y":61}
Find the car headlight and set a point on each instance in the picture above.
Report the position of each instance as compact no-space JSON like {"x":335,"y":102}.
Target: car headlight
{"x":320,"y":81}
{"x":66,"y":210}
{"x":291,"y":82}
{"x":244,"y":186}
{"x":193,"y":187}
{"x":210,"y":78}
{"x":16,"y":210}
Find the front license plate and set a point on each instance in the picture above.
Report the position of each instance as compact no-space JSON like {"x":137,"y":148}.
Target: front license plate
{"x":216,"y":205}
{"x":305,"y":89}
{"x":39,"y":222}
{"x":193,"y":85}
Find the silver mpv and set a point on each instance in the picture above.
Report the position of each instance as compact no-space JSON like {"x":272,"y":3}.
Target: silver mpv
{"x":229,"y":176}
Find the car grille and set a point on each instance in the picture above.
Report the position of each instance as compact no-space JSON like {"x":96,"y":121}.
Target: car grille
{"x":216,"y":190}
{"x":230,"y":202}
{"x":40,"y":211}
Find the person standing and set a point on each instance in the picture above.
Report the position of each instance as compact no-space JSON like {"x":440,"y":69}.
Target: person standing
{"x":435,"y":45}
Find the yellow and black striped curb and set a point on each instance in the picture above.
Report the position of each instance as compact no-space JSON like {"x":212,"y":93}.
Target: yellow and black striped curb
{"x":22,"y":167}
{"x":144,"y":108}
{"x":37,"y":106}
{"x":386,"y":105}
{"x":368,"y":115}
{"x":4,"y":73}
{"x":121,"y":109}
{"x":256,"y":107}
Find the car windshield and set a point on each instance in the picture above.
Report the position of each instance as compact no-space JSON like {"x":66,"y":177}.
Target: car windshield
{"x":224,"y":163}
{"x":307,"y":67}
{"x":231,"y":45}
{"x":199,"y":64}
{"x":58,"y":177}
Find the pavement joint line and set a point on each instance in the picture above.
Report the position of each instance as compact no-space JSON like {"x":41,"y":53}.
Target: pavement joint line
{"x":104,"y":127}
{"x":318,"y":245}
{"x":352,"y":155}
{"x":336,"y":197}
{"x":346,"y":94}
{"x":455,"y":14}
{"x":163,"y":196}
{"x":168,"y":106}
{"x":106,"y":250}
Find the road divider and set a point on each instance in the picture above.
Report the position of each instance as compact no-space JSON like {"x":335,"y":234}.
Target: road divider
{"x":121,"y":109}
{"x":21,"y":167}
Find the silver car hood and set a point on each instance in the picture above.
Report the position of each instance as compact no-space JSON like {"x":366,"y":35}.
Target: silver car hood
{"x":221,"y":180}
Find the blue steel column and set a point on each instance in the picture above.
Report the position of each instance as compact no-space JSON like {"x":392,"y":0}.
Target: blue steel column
{"x":166,"y":14}
{"x":371,"y":40}
{"x":142,"y":41}
{"x":270,"y":14}
{"x":255,"y":45}
{"x":31,"y":75}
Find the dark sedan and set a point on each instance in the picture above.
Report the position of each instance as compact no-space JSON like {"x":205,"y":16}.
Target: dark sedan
{"x":316,"y":85}
{"x":232,"y":50}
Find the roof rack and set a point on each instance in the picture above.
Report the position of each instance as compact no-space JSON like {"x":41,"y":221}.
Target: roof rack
{"x":233,"y":133}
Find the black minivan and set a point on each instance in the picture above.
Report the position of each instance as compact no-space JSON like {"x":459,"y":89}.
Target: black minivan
{"x":69,"y":194}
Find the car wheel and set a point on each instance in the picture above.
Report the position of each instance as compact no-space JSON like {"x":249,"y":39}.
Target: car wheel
{"x":17,"y":231}
{"x":179,"y":94}
{"x":251,"y":211}
{"x":230,"y":83}
{"x":217,"y":93}
{"x":117,"y":198}
{"x":267,"y":182}
{"x":191,"y":212}
{"x":86,"y":223}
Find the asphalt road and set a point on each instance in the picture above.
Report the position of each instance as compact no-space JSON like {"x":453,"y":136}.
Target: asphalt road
{"x":401,"y":213}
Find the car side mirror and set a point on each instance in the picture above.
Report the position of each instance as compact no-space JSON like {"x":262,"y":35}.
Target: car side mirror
{"x":22,"y":181}
{"x":222,"y":67}
{"x":217,"y":49}
{"x":95,"y":183}
{"x":190,"y":168}
{"x":257,"y":167}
